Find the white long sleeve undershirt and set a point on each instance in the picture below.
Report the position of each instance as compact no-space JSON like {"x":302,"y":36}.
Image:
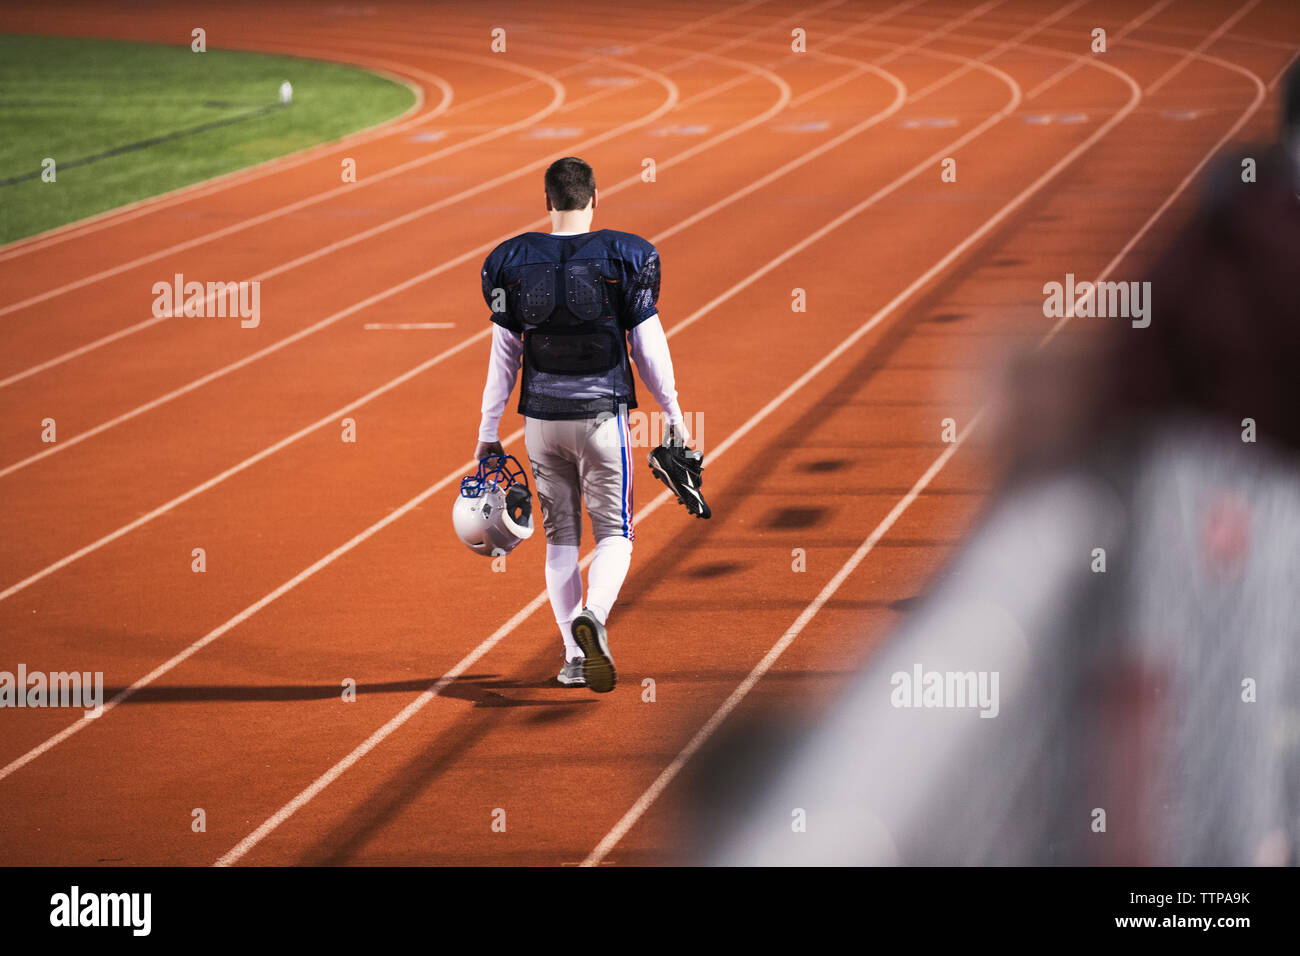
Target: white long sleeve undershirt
{"x":648,"y":346}
{"x":503,"y":369}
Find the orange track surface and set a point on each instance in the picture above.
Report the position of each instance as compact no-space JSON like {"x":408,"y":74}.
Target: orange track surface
{"x":250,"y":726}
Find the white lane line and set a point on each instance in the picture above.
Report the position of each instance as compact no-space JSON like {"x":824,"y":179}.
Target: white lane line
{"x":235,"y":621}
{"x":1201,"y":47}
{"x":557,"y":99}
{"x":80,"y":350}
{"x":475,"y":655}
{"x":665,"y":777}
{"x":661,"y":782}
{"x":73,"y":441}
{"x":408,"y":325}
{"x":211,"y":636}
{"x":1068,"y":70}
{"x":334,"y":416}
{"x":388,"y":129}
{"x":305,"y":796}
{"x":235,"y":469}
{"x":442,"y":203}
{"x":483,"y":648}
{"x":168,"y":506}
{"x":1272,"y":84}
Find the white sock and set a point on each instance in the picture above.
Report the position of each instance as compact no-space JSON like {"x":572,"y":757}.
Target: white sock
{"x":564,"y":587}
{"x":606,"y":574}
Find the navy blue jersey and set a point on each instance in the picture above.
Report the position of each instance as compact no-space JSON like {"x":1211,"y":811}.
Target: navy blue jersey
{"x":573,"y":299}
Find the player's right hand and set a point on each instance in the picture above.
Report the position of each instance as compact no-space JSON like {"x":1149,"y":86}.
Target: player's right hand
{"x":485,"y":448}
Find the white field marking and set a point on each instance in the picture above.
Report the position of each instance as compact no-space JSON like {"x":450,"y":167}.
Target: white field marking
{"x":334,"y":416}
{"x":305,"y":796}
{"x":1068,"y":69}
{"x":842,"y":35}
{"x":1282,"y":72}
{"x":750,"y":69}
{"x":839,"y":37}
{"x":859,"y":67}
{"x":747,"y":37}
{"x":834,"y":84}
{"x":388,"y":128}
{"x":712,"y":91}
{"x":73,"y":441}
{"x":1187,"y":54}
{"x":235,"y":469}
{"x":111,"y":217}
{"x":1247,"y":38}
{"x":406,"y":217}
{"x":81,"y":350}
{"x":1182,"y":50}
{"x":557,"y":99}
{"x":408,"y":325}
{"x":1128,"y":28}
{"x":651,"y":794}
{"x":660,"y":783}
{"x":1000,"y":48}
{"x":350,"y":310}
{"x":238,"y":619}
{"x":693,"y":26}
{"x":68,"y":731}
{"x":971,"y":63}
{"x":949,"y":24}
{"x":1261,"y":93}
{"x":213,"y":635}
{"x":1240,"y":37}
{"x":774,"y":109}
{"x":1201,"y":47}
{"x":800,"y":18}
{"x":411,"y":709}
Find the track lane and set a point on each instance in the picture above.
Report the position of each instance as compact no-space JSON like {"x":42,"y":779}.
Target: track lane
{"x":380,"y":805}
{"x":306,"y":610}
{"x":950,"y":504}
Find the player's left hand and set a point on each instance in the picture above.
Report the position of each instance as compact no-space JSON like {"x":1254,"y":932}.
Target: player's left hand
{"x":485,"y":448}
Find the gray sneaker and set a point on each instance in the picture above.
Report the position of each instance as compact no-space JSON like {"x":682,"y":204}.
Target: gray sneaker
{"x":597,"y":666}
{"x":571,"y":674}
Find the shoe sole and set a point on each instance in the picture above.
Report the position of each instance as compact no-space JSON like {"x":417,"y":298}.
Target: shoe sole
{"x":598,"y":667}
{"x":572,"y":681}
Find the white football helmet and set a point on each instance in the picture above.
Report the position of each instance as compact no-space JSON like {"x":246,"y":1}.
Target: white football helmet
{"x":494,"y":510}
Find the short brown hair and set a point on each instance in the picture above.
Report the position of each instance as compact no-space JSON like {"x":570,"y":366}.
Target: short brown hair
{"x":570,"y":184}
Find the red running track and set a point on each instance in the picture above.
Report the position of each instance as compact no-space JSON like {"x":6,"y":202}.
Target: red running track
{"x":330,"y":561}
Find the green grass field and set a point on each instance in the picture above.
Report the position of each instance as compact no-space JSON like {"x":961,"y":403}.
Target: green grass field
{"x":73,"y":100}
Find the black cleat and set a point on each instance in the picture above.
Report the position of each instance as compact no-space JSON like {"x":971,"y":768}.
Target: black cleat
{"x":680,"y":469}
{"x":597,"y":666}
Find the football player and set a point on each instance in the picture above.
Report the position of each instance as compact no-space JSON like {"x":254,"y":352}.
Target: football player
{"x":573,"y":308}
